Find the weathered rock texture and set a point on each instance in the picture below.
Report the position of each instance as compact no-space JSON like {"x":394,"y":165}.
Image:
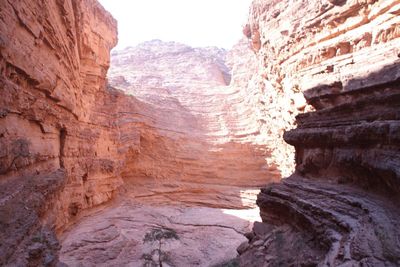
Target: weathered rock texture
{"x":137,"y":234}
{"x":188,"y":137}
{"x":199,"y":138}
{"x":68,"y":142}
{"x":340,"y":207}
{"x":58,"y":150}
{"x":191,"y":132}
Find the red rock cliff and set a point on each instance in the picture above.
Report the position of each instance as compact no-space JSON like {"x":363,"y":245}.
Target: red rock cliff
{"x":57,"y":136}
{"x":68,"y":142}
{"x":340,"y":207}
{"x":200,"y":140}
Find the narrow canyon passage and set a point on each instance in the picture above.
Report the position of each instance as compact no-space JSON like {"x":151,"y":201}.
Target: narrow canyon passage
{"x":282,"y":151}
{"x":199,"y":150}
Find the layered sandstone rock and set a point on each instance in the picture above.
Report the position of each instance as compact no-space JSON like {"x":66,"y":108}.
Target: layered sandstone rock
{"x":55,"y":124}
{"x":200,"y":138}
{"x":68,"y":142}
{"x":201,"y":127}
{"x":340,"y":207}
{"x":199,"y":142}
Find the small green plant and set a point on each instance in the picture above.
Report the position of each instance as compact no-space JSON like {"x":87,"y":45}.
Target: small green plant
{"x":37,"y":238}
{"x":147,"y":257}
{"x":157,"y":234}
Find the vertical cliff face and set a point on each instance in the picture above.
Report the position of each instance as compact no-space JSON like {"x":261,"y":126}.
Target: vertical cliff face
{"x":272,"y":110}
{"x":55,"y":122}
{"x":339,"y":207}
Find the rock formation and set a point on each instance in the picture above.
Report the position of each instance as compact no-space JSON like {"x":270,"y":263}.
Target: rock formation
{"x":143,"y":234}
{"x":201,"y":126}
{"x":198,"y":143}
{"x":340,"y":207}
{"x":68,"y":142}
{"x":57,"y":136}
{"x":200,"y":139}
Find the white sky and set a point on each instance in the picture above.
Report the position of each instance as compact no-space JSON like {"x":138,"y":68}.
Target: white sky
{"x":193,"y":22}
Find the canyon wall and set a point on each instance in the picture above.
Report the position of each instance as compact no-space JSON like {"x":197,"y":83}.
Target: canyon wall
{"x":203,"y":126}
{"x":340,"y":207}
{"x":200,"y":138}
{"x":69,"y":141}
{"x":58,"y":141}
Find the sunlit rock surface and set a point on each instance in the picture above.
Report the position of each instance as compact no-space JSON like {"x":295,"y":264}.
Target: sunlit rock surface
{"x":69,"y":142}
{"x":137,"y":234}
{"x":200,"y":139}
{"x":340,"y":207}
{"x":190,"y":140}
{"x":178,"y":133}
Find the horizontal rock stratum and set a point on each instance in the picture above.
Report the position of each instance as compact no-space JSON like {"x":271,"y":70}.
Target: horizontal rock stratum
{"x":199,"y":138}
{"x":186,"y":133}
{"x":184,"y":126}
{"x":340,"y":207}
{"x":58,"y":141}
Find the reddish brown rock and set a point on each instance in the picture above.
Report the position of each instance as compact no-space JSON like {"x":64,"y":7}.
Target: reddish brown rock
{"x":138,"y":234}
{"x":198,"y":143}
{"x":55,"y":123}
{"x":339,"y":208}
{"x":184,"y":135}
{"x":200,"y":140}
{"x":192,"y":133}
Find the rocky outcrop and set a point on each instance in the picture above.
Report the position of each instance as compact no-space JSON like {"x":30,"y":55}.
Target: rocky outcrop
{"x":339,"y":207}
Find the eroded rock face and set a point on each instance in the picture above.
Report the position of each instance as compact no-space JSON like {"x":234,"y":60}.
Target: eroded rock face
{"x":189,"y":139}
{"x":200,"y":139}
{"x":68,"y":142}
{"x":339,"y":208}
{"x":55,"y":122}
{"x":193,"y":133}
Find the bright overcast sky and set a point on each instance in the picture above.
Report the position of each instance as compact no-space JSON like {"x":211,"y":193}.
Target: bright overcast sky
{"x":193,"y":22}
